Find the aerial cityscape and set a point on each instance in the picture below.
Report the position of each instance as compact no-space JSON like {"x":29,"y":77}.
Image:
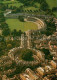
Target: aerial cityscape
{"x":28,"y":39}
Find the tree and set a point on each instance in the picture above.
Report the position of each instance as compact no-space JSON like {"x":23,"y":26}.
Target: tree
{"x":47,"y":53}
{"x":1,"y":38}
{"x":54,"y":77}
{"x":50,"y":27}
{"x":9,"y":46}
{"x":4,"y":25}
{"x":14,"y":32}
{"x":19,"y":33}
{"x":21,"y":18}
{"x":27,"y":55}
{"x":40,"y":1}
{"x":44,"y":6}
{"x":2,"y":48}
{"x":2,"y":19}
{"x":54,"y":9}
{"x":6,"y":32}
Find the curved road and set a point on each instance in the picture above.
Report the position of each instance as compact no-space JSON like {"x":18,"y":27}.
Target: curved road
{"x":38,"y":22}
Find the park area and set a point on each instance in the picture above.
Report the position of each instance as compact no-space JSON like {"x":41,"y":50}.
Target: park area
{"x":18,"y":25}
{"x":15,"y":3}
{"x":36,"y":6}
{"x":52,"y":3}
{"x":12,"y":3}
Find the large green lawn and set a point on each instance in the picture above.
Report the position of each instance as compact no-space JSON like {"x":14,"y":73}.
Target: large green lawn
{"x":17,"y":4}
{"x":12,"y":3}
{"x":24,"y":26}
{"x":52,"y":3}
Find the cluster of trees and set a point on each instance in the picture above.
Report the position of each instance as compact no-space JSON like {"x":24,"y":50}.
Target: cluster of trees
{"x":51,"y":28}
{"x":7,"y":44}
{"x":54,"y":9}
{"x":22,"y":10}
{"x":47,"y":54}
{"x":44,"y":6}
{"x":31,"y":2}
{"x":3,"y":25}
{"x":16,"y":33}
{"x":27,"y":55}
{"x":5,"y":28}
{"x":54,"y":77}
{"x":21,"y":18}
{"x":2,"y":7}
{"x":8,"y":32}
{"x":2,"y":48}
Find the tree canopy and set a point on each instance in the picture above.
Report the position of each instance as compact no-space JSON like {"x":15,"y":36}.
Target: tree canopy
{"x":27,"y":55}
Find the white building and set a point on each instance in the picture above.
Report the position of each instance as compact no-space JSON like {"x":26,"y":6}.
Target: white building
{"x":53,"y":64}
{"x":40,"y":71}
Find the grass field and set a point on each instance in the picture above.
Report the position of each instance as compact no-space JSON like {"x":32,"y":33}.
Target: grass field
{"x":52,"y":3}
{"x":17,"y":4}
{"x":7,"y":2}
{"x":33,"y":7}
{"x":12,"y":3}
{"x":24,"y":26}
{"x":30,"y":8}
